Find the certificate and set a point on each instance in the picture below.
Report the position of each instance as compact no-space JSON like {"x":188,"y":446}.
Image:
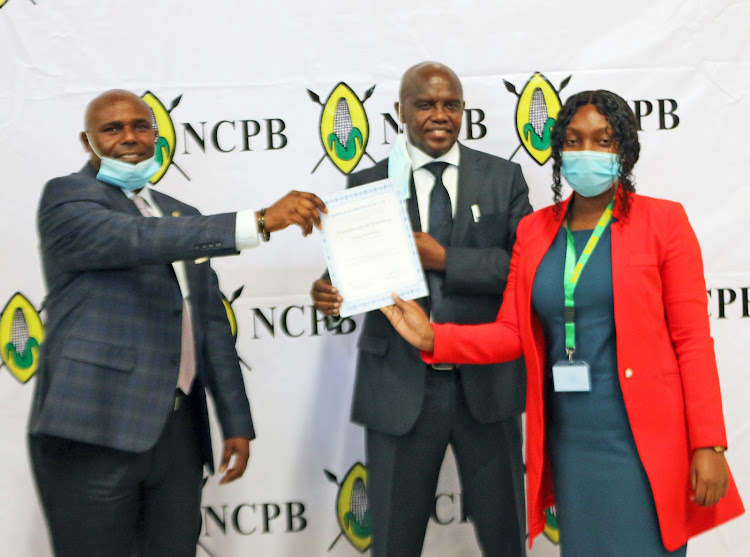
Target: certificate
{"x":369,"y":248}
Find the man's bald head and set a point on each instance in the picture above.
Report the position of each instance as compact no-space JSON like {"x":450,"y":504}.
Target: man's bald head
{"x":414,"y":78}
{"x":109,"y":97}
{"x":431,"y":104}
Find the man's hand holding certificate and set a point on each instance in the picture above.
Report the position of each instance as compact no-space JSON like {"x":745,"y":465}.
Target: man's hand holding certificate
{"x":370,"y":249}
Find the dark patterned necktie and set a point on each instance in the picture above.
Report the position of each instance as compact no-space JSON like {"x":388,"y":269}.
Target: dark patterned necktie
{"x":440,"y":226}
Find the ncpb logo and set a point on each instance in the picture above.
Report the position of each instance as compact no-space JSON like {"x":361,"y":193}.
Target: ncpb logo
{"x":167,"y":142}
{"x":344,"y":128}
{"x":536,"y":111}
{"x":21,"y":335}
{"x":352,"y":508}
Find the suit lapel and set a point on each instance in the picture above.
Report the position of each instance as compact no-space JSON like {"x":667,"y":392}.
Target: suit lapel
{"x":537,"y":247}
{"x":120,"y":202}
{"x":413,"y":207}
{"x":470,"y":176}
{"x":619,"y":236}
{"x":166,"y":204}
{"x":169,"y":208}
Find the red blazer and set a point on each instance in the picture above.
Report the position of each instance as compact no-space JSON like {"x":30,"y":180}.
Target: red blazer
{"x":665,"y":355}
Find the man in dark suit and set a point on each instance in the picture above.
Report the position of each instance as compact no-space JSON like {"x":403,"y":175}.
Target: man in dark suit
{"x":412,"y":411}
{"x":136,"y":332}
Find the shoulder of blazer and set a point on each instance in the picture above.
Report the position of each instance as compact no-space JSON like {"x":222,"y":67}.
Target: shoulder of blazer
{"x":650,"y":213}
{"x":653,"y":206}
{"x":472,"y":156}
{"x":540,"y":222}
{"x":79,"y":186}
{"x":367,"y":175}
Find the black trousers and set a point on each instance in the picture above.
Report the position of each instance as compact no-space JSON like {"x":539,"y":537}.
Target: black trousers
{"x":403,"y":473}
{"x":101,"y":502}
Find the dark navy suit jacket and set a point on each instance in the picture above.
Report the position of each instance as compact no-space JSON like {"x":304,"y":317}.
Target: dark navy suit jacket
{"x":389,"y":385}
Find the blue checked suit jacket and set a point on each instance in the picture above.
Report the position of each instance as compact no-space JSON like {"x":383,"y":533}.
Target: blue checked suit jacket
{"x":108,"y":368}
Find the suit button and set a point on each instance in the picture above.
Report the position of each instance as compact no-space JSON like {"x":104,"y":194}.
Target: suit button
{"x":177,"y":311}
{"x":628,"y":373}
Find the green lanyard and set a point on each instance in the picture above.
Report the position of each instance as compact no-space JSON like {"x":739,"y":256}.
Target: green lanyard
{"x":573,"y":270}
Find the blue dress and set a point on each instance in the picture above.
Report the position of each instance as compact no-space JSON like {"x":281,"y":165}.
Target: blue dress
{"x":604,"y":503}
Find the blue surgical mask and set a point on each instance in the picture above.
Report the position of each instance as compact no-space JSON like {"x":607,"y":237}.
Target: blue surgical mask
{"x":590,"y":173}
{"x":399,"y":166}
{"x":126,"y":175}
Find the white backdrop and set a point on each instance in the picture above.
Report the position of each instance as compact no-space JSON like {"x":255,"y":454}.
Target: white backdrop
{"x":685,"y":64}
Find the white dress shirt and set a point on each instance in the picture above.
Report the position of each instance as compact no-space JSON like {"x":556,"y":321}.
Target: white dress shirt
{"x":424,"y":180}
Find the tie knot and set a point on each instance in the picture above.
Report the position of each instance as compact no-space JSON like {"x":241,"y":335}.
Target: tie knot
{"x":436,"y":168}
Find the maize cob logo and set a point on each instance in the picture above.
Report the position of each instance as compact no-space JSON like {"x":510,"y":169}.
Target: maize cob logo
{"x":536,"y":111}
{"x":344,"y":129}
{"x":21,"y":335}
{"x":551,"y":531}
{"x":352,"y":508}
{"x":167,"y":138}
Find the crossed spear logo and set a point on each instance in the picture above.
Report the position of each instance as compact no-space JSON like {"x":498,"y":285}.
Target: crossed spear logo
{"x":3,"y":2}
{"x":344,"y":142}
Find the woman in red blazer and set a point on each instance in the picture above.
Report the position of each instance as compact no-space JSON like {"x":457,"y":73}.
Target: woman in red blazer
{"x":629,"y":450}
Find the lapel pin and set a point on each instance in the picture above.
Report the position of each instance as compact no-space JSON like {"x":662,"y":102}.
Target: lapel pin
{"x":175,"y":213}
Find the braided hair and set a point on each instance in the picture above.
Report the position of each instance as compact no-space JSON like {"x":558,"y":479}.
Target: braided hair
{"x":624,"y":131}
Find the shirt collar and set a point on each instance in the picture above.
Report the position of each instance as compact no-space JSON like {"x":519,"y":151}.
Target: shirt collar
{"x":419,"y":158}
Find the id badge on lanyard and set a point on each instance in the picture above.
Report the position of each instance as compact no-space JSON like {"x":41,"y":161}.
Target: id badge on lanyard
{"x":571,"y":376}
{"x":575,"y":375}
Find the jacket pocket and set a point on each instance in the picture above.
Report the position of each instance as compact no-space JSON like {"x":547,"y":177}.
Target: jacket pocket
{"x":490,"y":231}
{"x":103,"y":354}
{"x":372,"y":345}
{"x":643,"y":260}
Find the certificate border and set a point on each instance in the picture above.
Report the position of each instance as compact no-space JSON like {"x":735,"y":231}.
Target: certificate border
{"x":375,"y":301}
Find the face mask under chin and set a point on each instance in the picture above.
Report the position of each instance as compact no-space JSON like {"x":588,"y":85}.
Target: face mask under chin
{"x":126,"y":175}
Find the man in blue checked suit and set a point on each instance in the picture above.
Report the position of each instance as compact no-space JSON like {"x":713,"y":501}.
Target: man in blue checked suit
{"x":136,"y":334}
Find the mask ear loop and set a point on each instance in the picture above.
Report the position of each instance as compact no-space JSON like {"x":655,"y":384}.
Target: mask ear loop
{"x":401,"y":123}
{"x":91,"y":145}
